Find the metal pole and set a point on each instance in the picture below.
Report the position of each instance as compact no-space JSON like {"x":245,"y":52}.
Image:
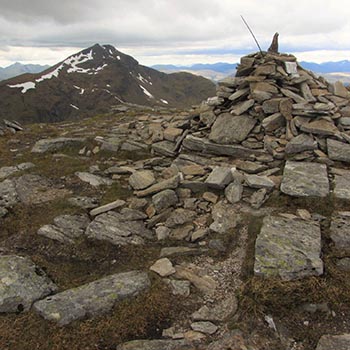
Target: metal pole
{"x":251,"y":32}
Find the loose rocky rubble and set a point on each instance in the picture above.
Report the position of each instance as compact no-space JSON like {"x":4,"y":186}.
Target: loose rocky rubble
{"x":275,"y":130}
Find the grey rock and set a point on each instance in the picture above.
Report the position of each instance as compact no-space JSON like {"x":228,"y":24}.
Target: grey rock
{"x":111,"y":144}
{"x":162,"y":232}
{"x":262,"y":91}
{"x":242,"y":107}
{"x":159,"y":344}
{"x":256,"y":181}
{"x":271,"y":106}
{"x":297,"y":98}
{"x":92,"y":299}
{"x":205,"y":146}
{"x":119,"y":170}
{"x":133,"y":146}
{"x":233,"y":192}
{"x":225,"y":218}
{"x":321,"y":127}
{"x":251,"y":167}
{"x":229,"y":129}
{"x":340,"y":90}
{"x":179,"y":287}
{"x":35,"y":189}
{"x":171,"y":183}
{"x":215,"y":101}
{"x":300,"y":143}
{"x":54,"y":144}
{"x":140,"y":180}
{"x":94,"y":180}
{"x":83,"y":202}
{"x":21,"y":283}
{"x":334,"y":342}
{"x":163,"y":267}
{"x":8,"y":194}
{"x":258,"y":198}
{"x":107,"y":207}
{"x":132,"y":214}
{"x":218,"y":312}
{"x":273,"y":122}
{"x":204,"y":327}
{"x":66,"y":228}
{"x":3,"y":212}
{"x":113,"y":228}
{"x":219,"y":177}
{"x":7,"y":171}
{"x":288,"y":248}
{"x":343,"y":264}
{"x":303,"y":179}
{"x":165,"y":148}
{"x":238,"y":94}
{"x":339,"y":232}
{"x":180,"y":216}
{"x":164,"y":200}
{"x":342,"y":185}
{"x":338,"y":150}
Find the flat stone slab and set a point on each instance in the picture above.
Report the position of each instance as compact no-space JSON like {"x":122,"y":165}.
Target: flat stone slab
{"x":54,"y":144}
{"x":114,"y":228}
{"x":229,"y":129}
{"x":207,"y":147}
{"x":342,"y":185}
{"x":305,"y":179}
{"x":334,"y":342}
{"x":21,"y":283}
{"x":66,"y":228}
{"x":338,"y":150}
{"x":158,"y":344}
{"x":92,"y":299}
{"x":339,"y":232}
{"x":288,"y":248}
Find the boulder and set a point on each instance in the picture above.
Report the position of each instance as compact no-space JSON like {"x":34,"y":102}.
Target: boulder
{"x":55,"y":144}
{"x":288,"y":248}
{"x":92,"y":299}
{"x":21,"y":283}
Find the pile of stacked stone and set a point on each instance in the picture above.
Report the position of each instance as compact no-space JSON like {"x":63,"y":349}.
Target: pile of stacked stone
{"x":275,"y":105}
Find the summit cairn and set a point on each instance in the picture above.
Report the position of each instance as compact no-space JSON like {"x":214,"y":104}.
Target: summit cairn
{"x":273,"y":109}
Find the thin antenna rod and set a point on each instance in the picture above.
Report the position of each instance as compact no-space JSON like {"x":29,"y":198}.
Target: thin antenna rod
{"x":251,"y":32}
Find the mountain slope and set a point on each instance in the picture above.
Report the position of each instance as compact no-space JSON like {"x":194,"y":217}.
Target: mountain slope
{"x":92,"y":81}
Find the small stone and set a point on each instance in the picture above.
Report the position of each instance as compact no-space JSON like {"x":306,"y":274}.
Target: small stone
{"x":163,"y":267}
{"x":210,"y":197}
{"x":338,"y":150}
{"x":256,"y":181}
{"x":219,"y":177}
{"x":304,"y":214}
{"x":93,"y":180}
{"x":199,"y":234}
{"x":204,"y":327}
{"x":107,"y":207}
{"x":162,"y":232}
{"x":179,"y":287}
{"x":164,"y":200}
{"x":140,"y":180}
{"x":171,"y":134}
{"x":234,"y":191}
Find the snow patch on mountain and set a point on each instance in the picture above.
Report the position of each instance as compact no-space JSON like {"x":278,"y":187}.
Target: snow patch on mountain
{"x":146,"y":92}
{"x":25,"y":86}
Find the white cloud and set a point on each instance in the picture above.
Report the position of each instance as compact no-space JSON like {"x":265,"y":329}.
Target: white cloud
{"x":158,"y":29}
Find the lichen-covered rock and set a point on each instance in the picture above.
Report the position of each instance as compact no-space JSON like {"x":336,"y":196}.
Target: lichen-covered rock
{"x":288,"y":248}
{"x":304,"y":179}
{"x":21,"y":283}
{"x":92,"y":299}
{"x":54,"y":144}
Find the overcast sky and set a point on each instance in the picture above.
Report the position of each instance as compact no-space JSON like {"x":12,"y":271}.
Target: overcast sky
{"x":172,"y":31}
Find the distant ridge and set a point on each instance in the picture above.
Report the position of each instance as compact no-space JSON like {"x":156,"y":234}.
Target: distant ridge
{"x":91,"y":82}
{"x":18,"y":68}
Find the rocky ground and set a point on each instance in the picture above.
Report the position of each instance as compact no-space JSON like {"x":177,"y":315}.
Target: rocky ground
{"x":223,"y":227}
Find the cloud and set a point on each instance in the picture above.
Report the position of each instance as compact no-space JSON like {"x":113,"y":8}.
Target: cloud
{"x":188,"y":26}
